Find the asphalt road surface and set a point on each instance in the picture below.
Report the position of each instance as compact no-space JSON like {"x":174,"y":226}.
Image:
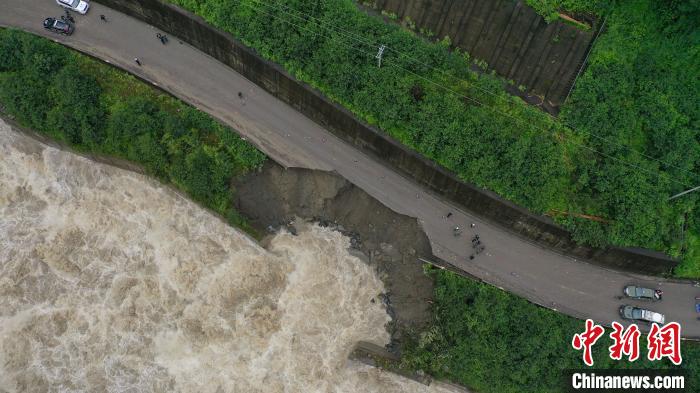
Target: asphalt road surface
{"x":509,"y":262}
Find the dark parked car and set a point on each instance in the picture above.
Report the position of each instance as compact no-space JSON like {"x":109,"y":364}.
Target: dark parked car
{"x":640,"y":293}
{"x":58,"y":26}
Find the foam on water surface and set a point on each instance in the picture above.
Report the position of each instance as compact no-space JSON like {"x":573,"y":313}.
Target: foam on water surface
{"x":112,"y":282}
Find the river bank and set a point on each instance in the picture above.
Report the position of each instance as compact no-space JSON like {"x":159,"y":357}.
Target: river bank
{"x":391,"y":243}
{"x":109,"y":278}
{"x":108,"y":271}
{"x":275,"y":198}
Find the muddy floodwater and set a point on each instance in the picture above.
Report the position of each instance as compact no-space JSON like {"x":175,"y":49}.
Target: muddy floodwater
{"x":112,"y":282}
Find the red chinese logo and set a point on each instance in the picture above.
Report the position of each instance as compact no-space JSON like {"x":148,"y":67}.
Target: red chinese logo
{"x":586,"y":340}
{"x":665,"y":342}
{"x":625,"y":341}
{"x":662,"y":342}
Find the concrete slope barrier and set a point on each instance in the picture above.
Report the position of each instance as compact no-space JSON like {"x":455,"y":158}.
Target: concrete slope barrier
{"x":271,"y":77}
{"x":509,"y":36}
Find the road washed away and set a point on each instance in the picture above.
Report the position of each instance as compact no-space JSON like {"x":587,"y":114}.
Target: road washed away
{"x":110,"y":281}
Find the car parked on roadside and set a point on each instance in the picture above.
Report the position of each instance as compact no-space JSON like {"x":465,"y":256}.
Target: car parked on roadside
{"x":78,"y":6}
{"x":642,"y":293}
{"x":58,"y":26}
{"x":640,"y":314}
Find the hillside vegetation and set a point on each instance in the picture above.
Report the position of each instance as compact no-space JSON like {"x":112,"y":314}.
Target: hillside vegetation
{"x":495,"y":342}
{"x":641,"y":91}
{"x":640,"y":96}
{"x":480,"y":337}
{"x":97,"y":109}
{"x":616,"y":165}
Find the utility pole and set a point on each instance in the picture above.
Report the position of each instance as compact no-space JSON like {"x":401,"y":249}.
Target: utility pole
{"x":379,"y":55}
{"x":684,"y":192}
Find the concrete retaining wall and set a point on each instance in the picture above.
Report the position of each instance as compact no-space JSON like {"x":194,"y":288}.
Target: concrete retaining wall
{"x":508,"y":35}
{"x":275,"y":80}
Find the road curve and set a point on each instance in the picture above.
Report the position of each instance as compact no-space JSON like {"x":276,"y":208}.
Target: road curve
{"x":509,"y":262}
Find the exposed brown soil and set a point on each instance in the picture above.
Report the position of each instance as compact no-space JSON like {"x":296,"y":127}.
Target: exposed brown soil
{"x":275,"y":197}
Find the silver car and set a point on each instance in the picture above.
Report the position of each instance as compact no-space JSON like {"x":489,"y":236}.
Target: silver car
{"x":640,"y":314}
{"x":78,"y":6}
{"x":641,"y":293}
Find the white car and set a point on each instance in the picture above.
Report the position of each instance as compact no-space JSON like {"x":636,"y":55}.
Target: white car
{"x":640,"y":314}
{"x":78,"y":6}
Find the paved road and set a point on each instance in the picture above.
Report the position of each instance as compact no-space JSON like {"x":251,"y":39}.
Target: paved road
{"x":544,"y":277}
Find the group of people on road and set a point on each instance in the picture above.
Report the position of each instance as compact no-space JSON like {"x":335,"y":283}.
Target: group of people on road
{"x":68,"y":18}
{"x":477,"y":246}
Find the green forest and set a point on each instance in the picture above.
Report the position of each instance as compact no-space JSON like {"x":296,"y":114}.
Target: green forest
{"x":625,"y":142}
{"x":638,"y":96}
{"x":495,"y":342}
{"x":641,"y":91}
{"x":94,"y":108}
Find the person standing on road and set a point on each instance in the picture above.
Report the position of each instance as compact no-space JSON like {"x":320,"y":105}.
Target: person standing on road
{"x":68,"y":17}
{"x":137,"y":61}
{"x":103,"y":18}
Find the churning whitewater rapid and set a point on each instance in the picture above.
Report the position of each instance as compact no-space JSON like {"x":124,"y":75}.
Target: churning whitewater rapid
{"x":112,"y":282}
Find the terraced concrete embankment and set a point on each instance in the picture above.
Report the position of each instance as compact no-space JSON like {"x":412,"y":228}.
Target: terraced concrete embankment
{"x":509,"y":36}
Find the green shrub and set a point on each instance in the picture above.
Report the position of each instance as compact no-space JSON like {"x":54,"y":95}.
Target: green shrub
{"x":641,"y":90}
{"x":98,"y":109}
{"x":492,"y":341}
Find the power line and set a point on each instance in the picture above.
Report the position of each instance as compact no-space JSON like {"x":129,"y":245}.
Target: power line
{"x":684,"y":192}
{"x":355,"y":37}
{"x":657,"y":174}
{"x":374,"y":44}
{"x":505,"y":99}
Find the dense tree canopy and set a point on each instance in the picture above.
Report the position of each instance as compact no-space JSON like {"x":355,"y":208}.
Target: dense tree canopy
{"x":640,"y":97}
{"x":95,"y":108}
